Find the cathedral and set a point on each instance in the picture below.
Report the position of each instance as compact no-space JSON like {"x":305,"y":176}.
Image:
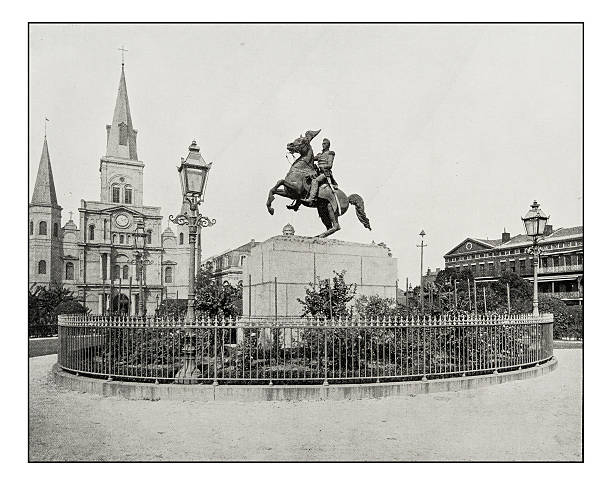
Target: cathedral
{"x":98,"y":259}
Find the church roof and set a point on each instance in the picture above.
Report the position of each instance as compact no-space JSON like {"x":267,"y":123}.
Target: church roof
{"x":115,"y":146}
{"x":168,"y":232}
{"x":44,"y":188}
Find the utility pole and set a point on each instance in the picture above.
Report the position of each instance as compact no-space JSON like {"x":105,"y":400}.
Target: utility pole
{"x":422,"y":245}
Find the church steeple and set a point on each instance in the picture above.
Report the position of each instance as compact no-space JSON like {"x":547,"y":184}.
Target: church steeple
{"x":44,"y":188}
{"x":121,"y":135}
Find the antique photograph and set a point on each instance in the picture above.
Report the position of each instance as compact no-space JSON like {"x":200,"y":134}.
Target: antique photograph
{"x":305,"y":242}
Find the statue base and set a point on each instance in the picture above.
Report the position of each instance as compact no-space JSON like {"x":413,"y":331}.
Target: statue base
{"x":279,"y":270}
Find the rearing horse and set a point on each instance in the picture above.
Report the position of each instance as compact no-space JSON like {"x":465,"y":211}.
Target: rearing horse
{"x":296,"y":185}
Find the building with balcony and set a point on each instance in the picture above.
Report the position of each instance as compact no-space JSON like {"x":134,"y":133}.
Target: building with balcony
{"x":228,"y":266}
{"x":560,"y":273}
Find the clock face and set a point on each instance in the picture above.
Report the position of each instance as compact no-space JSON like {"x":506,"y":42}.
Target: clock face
{"x":122,"y":220}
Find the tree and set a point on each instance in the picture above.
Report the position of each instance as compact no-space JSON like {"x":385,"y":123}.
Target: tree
{"x":316,"y":303}
{"x":374,"y":306}
{"x":214,"y":299}
{"x":45,"y":304}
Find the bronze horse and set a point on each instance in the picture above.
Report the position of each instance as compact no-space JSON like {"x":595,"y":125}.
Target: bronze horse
{"x":296,"y":185}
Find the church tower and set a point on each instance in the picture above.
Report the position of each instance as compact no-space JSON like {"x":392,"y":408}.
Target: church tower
{"x":120,"y":170}
{"x":45,"y":217}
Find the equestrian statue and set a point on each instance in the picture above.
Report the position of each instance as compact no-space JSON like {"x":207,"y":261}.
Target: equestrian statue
{"x":314,"y":186}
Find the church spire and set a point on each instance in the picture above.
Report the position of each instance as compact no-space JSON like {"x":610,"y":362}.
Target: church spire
{"x":44,"y":189}
{"x":121,"y":135}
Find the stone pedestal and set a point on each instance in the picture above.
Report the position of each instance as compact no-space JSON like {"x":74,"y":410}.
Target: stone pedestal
{"x":281,"y":268}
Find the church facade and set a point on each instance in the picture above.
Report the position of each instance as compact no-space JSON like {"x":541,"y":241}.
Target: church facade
{"x":97,"y":259}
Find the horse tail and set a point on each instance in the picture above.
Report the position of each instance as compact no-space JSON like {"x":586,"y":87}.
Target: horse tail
{"x":357,"y":201}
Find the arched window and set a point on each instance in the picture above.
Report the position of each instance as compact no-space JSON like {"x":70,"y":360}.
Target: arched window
{"x":116,"y":194}
{"x":55,"y":230}
{"x":42,"y":267}
{"x":168,"y":274}
{"x":114,"y":238}
{"x":92,"y":231}
{"x":127,"y":194}
{"x":149,"y":236}
{"x":69,"y":271}
{"x":181,"y":238}
{"x":242,"y":259}
{"x":128,"y":239}
{"x":42,"y":228}
{"x":105,"y":228}
{"x":126,"y":272}
{"x":121,"y":238}
{"x":116,"y":272}
{"x":31,"y":227}
{"x":123,"y":134}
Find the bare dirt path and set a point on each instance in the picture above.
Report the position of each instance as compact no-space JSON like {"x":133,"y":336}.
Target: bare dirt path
{"x":536,"y":419}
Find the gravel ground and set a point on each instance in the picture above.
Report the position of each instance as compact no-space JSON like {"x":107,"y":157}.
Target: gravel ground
{"x":536,"y":419}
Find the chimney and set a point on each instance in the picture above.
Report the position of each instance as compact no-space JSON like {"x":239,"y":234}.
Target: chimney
{"x":505,"y":236}
{"x":548,"y":229}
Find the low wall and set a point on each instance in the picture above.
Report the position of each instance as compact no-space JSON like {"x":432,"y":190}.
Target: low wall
{"x":42,"y":346}
{"x":176,"y":392}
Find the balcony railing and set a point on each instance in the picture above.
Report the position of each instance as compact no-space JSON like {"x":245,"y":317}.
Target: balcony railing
{"x":570,"y":268}
{"x":566,"y":295}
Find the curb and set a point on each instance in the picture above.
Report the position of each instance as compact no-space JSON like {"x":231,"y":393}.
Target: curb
{"x":246,"y":393}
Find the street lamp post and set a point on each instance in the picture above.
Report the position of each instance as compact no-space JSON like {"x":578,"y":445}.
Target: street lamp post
{"x":535,"y":224}
{"x":421,"y":294}
{"x":140,"y":244}
{"x":193,"y":173}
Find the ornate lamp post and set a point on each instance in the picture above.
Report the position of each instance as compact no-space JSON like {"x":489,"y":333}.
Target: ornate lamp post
{"x":193,"y":173}
{"x":535,"y":223}
{"x":140,"y":245}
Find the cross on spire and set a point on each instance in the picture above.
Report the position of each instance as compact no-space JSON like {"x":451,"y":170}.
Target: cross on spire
{"x":123,"y":51}
{"x":46,"y":121}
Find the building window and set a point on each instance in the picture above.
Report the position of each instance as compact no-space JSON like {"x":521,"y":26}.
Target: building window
{"x":121,"y":238}
{"x":580,"y":259}
{"x":225,"y":261}
{"x":123,"y":134}
{"x":128,"y":239}
{"x":116,"y":192}
{"x":491,"y":268}
{"x":55,"y":230}
{"x":42,"y":267}
{"x":126,"y":272}
{"x":503,"y":266}
{"x":181,"y":239}
{"x":42,"y":228}
{"x":168,"y":275}
{"x":31,"y":227}
{"x":116,"y":272}
{"x":69,"y":271}
{"x":568,"y":260}
{"x":104,"y":265}
{"x":544,"y":262}
{"x":513,"y":266}
{"x":92,"y":231}
{"x":242,"y":259}
{"x":105,"y":228}
{"x":522,"y":265}
{"x":127,"y":195}
{"x":149,"y":236}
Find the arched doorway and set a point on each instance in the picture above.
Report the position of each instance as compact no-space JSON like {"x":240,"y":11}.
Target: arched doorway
{"x":121,"y":304}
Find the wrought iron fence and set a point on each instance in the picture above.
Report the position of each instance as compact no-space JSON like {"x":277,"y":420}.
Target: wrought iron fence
{"x":301,"y":350}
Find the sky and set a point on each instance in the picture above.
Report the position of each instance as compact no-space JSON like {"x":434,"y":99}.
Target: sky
{"x":454,"y":129}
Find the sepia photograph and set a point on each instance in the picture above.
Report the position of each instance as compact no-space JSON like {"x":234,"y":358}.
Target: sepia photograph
{"x":305,"y":242}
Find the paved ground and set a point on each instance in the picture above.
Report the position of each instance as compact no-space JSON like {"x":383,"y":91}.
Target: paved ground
{"x":536,"y":419}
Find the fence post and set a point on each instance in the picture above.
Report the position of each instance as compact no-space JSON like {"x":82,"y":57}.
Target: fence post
{"x":325,"y":383}
{"x":215,"y":382}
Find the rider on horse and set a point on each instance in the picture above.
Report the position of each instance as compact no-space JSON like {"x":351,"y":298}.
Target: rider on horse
{"x":325,"y":162}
